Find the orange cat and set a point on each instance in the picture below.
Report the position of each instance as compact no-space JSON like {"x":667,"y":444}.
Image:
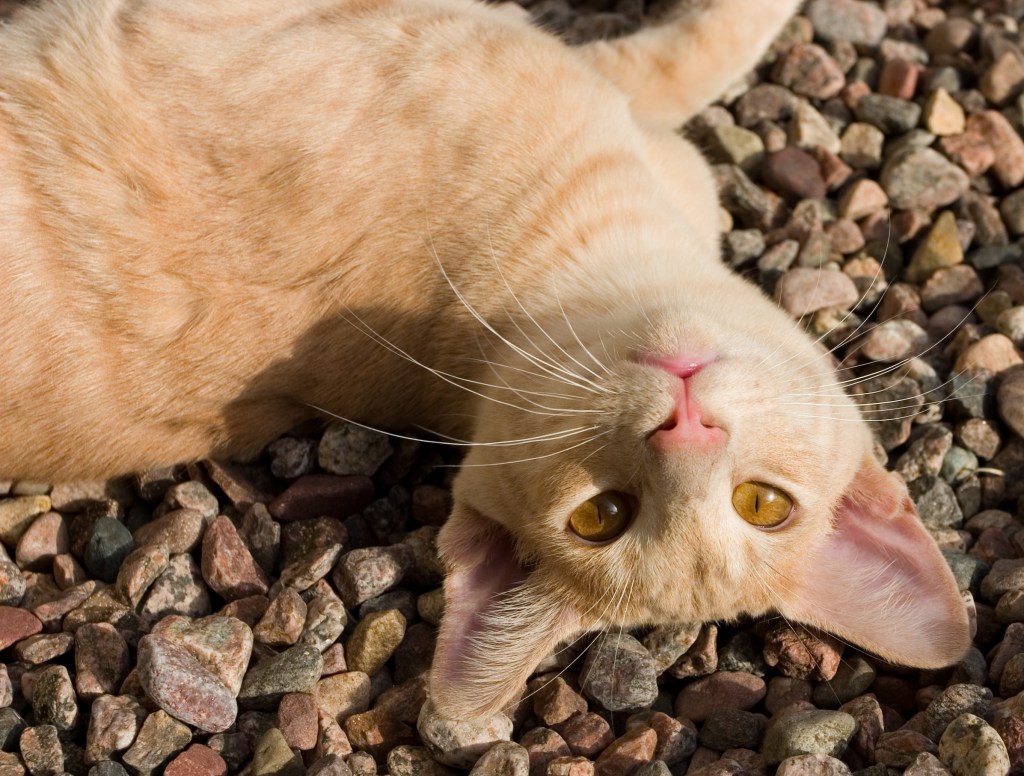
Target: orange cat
{"x":425,"y":212}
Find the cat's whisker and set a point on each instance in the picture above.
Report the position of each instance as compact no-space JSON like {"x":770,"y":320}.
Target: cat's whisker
{"x":451,"y":379}
{"x":525,"y":460}
{"x":515,"y":298}
{"x":444,"y":439}
{"x":521,"y":395}
{"x":551,"y":368}
{"x":579,"y":342}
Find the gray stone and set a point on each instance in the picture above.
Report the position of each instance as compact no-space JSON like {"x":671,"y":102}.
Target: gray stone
{"x":460,"y":743}
{"x":922,"y":178}
{"x":108,"y":546}
{"x":809,"y":732}
{"x":848,"y":20}
{"x":971,"y":747}
{"x":619,"y":673}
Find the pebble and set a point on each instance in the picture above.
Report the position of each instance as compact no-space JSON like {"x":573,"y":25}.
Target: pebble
{"x":325,"y":620}
{"x":316,"y":495}
{"x":282,"y":622}
{"x":227,"y":565}
{"x":102,"y":660}
{"x":1012,"y":211}
{"x":940,"y":248}
{"x":366,"y":573}
{"x":544,"y":745}
{"x":803,"y":290}
{"x":297,"y":669}
{"x":895,"y":340}
{"x":460,"y":743}
{"x":114,"y":721}
{"x":722,"y":690}
{"x":197,"y":760}
{"x":374,"y":640}
{"x":342,"y":695}
{"x":808,"y":128}
{"x":619,"y":674}
{"x":861,"y":146}
{"x":793,"y":173}
{"x":139,"y":570}
{"x":950,"y":286}
{"x":44,"y":539}
{"x":17,"y":624}
{"x":812,"y":765}
{"x":179,"y":531}
{"x":291,"y":458}
{"x":160,"y":738}
{"x":627,"y":752}
{"x":53,"y":698}
{"x":504,"y":758}
{"x":807,"y":70}
{"x":183,"y":687}
{"x":571,"y":766}
{"x":17,"y":514}
{"x":732,"y":729}
{"x":970,"y":747}
{"x":765,"y":102}
{"x":1003,"y":79}
{"x":586,"y":734}
{"x":272,"y":756}
{"x":1010,"y":398}
{"x":40,"y":749}
{"x":221,"y":644}
{"x":297,"y":719}
{"x":304,"y":572}
{"x":922,"y":178}
{"x":554,"y":701}
{"x":994,"y":352}
{"x":349,"y":449}
{"x":804,"y":655}
{"x":109,"y":544}
{"x":179,"y":589}
{"x":999,"y":133}
{"x":891,"y":115}
{"x":852,"y":21}
{"x":863,"y":198}
{"x":735,"y":145}
{"x":955,"y":700}
{"x":408,"y":760}
{"x":808,"y":732}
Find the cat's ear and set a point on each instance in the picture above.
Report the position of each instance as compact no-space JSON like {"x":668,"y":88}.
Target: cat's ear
{"x":879,"y":579}
{"x":499,"y":621}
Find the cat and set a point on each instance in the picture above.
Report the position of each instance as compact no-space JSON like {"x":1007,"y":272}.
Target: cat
{"x":220,"y":215}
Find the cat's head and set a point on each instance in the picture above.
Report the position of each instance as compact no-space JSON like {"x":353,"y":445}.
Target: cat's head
{"x":680,"y":461}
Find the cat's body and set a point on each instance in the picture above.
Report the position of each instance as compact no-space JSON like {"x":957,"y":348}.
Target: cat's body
{"x":217,"y":214}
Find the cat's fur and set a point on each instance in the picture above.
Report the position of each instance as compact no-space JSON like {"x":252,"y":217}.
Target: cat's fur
{"x":217,"y":213}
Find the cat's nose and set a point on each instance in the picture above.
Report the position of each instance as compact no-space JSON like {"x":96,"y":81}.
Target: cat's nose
{"x":685,"y":426}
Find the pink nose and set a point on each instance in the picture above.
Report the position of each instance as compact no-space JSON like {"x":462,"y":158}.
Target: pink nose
{"x":684,"y":426}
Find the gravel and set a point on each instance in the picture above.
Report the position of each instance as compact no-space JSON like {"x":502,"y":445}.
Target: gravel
{"x":278,"y":617}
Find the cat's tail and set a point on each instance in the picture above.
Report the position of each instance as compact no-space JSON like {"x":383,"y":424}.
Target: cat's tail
{"x":674,"y":69}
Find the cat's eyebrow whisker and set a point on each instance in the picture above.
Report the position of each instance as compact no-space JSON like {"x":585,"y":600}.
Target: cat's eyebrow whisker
{"x":525,"y":460}
{"x":551,"y":368}
{"x":586,"y":350}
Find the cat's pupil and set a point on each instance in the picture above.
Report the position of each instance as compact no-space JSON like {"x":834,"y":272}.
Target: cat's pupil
{"x":602,"y":518}
{"x":761,"y":505}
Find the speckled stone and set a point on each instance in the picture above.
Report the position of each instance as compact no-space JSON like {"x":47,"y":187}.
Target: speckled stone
{"x":504,"y":758}
{"x":618,"y":673}
{"x":227,"y":565}
{"x":282,"y":622}
{"x":273,"y":757}
{"x":197,"y":760}
{"x":922,"y":178}
{"x":17,"y":514}
{"x":970,"y":747}
{"x":221,"y":644}
{"x":44,"y":539}
{"x":460,"y":743}
{"x":628,"y":752}
{"x":41,"y":750}
{"x":53,"y":698}
{"x":349,"y":449}
{"x":723,"y":690}
{"x":297,"y":669}
{"x":325,"y":620}
{"x":365,"y":573}
{"x":102,"y":660}
{"x":160,"y":738}
{"x":114,"y":721}
{"x":812,"y":765}
{"x":343,"y":695}
{"x":374,"y":640}
{"x":183,"y":687}
{"x":809,"y":732}
{"x":848,"y":20}
{"x":178,"y":531}
{"x":140,"y":569}
{"x":586,"y":734}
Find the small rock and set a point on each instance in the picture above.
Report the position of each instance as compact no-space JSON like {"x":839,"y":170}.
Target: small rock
{"x":114,"y":721}
{"x":227,"y":565}
{"x":997,"y":131}
{"x":109,"y":544}
{"x":812,"y":765}
{"x":350,"y":449}
{"x":554,"y":701}
{"x":808,"y":732}
{"x":587,"y":734}
{"x":803,"y":290}
{"x":895,"y":340}
{"x":808,"y":128}
{"x":861,"y":146}
{"x":221,"y":644}
{"x":282,"y":623}
{"x":41,"y":751}
{"x":1010,"y":397}
{"x":408,"y":760}
{"x":15,"y":625}
{"x":140,"y":569}
{"x":297,"y":720}
{"x":941,"y":248}
{"x":460,"y":743}
{"x":618,"y":673}
{"x":891,"y":115}
{"x":101,"y":660}
{"x":291,"y":458}
{"x":794,"y":174}
{"x":970,"y":747}
{"x":732,"y":729}
{"x":197,"y":760}
{"x":343,"y":695}
{"x":53,"y":698}
{"x":316,"y":495}
{"x":273,"y":757}
{"x":922,"y":178}
{"x":365,"y":573}
{"x":179,"y":531}
{"x":994,"y":352}
{"x":848,"y":20}
{"x":297,"y":669}
{"x":44,"y":539}
{"x":803,"y":655}
{"x":863,"y":198}
{"x":178,"y":590}
{"x":544,"y":745}
{"x":806,"y":69}
{"x":723,"y":690}
{"x":627,"y":752}
{"x":17,"y":514}
{"x":1003,"y":79}
{"x":161,"y":738}
{"x":182,"y":687}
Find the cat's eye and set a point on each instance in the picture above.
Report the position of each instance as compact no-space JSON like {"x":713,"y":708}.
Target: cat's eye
{"x":761,"y":505}
{"x":603,"y":517}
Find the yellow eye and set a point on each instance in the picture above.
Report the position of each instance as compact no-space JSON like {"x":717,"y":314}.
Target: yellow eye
{"x":603,"y":517}
{"x":761,"y":505}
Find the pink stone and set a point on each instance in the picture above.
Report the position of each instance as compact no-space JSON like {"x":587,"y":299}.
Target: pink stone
{"x":969,"y":150}
{"x":43,"y":540}
{"x":282,"y":623}
{"x":628,"y":752}
{"x":994,"y":127}
{"x":197,"y":760}
{"x":586,"y":734}
{"x":17,"y":624}
{"x":803,"y":655}
{"x":722,"y":690}
{"x":297,"y":719}
{"x":899,"y":79}
{"x":101,"y":660}
{"x":555,"y":701}
{"x":227,"y":565}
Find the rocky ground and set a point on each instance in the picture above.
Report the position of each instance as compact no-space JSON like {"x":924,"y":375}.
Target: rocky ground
{"x":278,"y":618}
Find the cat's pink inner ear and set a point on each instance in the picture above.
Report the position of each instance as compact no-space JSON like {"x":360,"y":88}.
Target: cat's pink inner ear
{"x":497,"y":625}
{"x":880,"y":581}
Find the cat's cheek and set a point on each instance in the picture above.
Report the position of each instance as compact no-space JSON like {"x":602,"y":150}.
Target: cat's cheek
{"x":500,"y":621}
{"x":880,"y":581}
